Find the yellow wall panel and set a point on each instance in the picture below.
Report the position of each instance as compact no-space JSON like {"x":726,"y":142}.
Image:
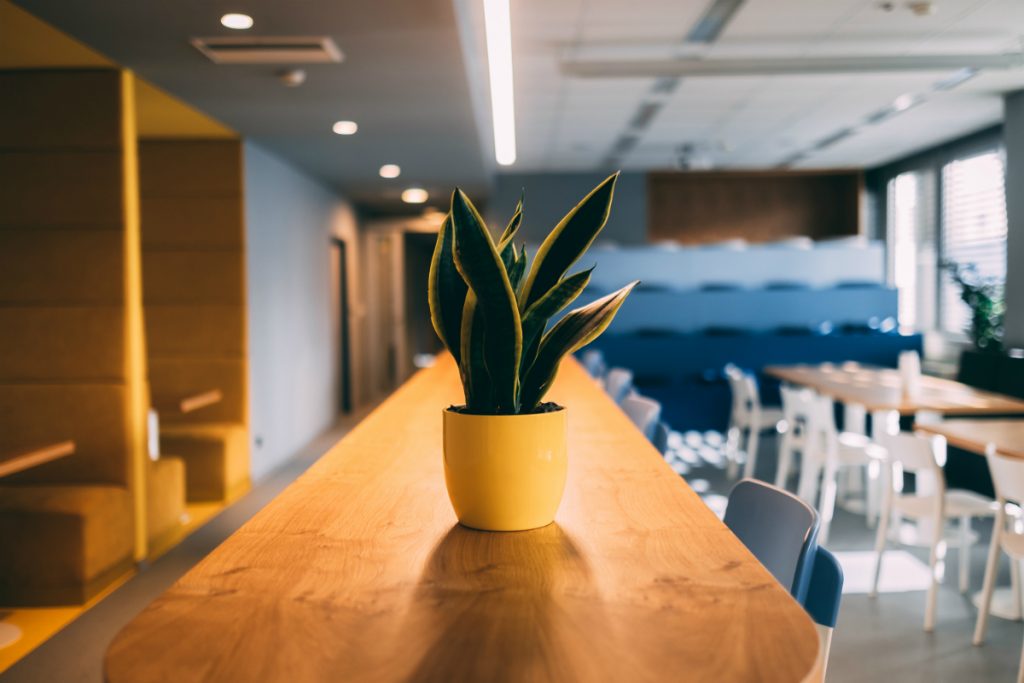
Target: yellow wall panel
{"x":198,"y":223}
{"x":76,"y":344}
{"x":195,"y":331}
{"x":63,"y":187}
{"x":187,"y":376}
{"x":42,"y":119}
{"x":61,"y":266}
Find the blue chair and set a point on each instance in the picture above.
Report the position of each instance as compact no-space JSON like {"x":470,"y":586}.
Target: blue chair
{"x":778,"y":528}
{"x":617,"y":383}
{"x":824,"y":592}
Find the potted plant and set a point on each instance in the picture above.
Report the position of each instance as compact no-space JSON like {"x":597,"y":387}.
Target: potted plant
{"x":505,"y":448}
{"x":979,"y":366}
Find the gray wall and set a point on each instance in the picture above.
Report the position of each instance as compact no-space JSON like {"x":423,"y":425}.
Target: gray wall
{"x":549,"y":196}
{"x":293,"y":358}
{"x":1013,"y":131}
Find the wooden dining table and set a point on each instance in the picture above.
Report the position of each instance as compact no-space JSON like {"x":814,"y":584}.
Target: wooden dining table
{"x":359,"y":571}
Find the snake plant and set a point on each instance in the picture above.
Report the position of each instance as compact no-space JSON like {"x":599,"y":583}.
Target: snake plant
{"x":492,"y":314}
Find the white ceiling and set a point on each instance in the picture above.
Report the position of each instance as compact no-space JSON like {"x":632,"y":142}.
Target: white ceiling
{"x":571,"y":123}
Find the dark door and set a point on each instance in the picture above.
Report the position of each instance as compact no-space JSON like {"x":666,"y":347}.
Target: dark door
{"x":344,"y":363}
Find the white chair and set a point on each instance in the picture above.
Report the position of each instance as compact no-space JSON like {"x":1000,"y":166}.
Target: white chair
{"x":827,"y":453}
{"x":746,"y":422}
{"x":1007,"y":535}
{"x":924,"y":456}
{"x":644,"y":412}
{"x":797,"y":409}
{"x":594,"y":363}
{"x":617,"y":383}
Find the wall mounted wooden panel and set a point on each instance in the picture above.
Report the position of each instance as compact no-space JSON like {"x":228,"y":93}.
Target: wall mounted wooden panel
{"x":48,"y":344}
{"x":53,"y":187}
{"x":193,"y":238}
{"x":702,"y":207}
{"x":42,"y":119}
{"x":41,"y":265}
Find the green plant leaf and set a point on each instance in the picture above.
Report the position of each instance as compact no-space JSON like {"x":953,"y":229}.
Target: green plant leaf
{"x":520,"y":272}
{"x":476,"y":380}
{"x":567,"y":242}
{"x":518,"y":269}
{"x":535,"y":319}
{"x":577,"y":329}
{"x":513,"y":225}
{"x":446,"y":291}
{"x":480,"y":265}
{"x":506,"y":245}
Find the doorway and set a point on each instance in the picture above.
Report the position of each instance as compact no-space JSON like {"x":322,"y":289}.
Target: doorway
{"x":421,"y":340}
{"x":339,"y":256}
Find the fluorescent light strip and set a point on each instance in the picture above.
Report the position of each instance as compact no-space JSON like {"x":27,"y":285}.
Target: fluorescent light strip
{"x":498,"y":24}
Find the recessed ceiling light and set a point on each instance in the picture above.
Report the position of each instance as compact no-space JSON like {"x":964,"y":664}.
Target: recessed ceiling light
{"x":237,"y":21}
{"x":415,"y":195}
{"x":345,"y":127}
{"x":390,"y":171}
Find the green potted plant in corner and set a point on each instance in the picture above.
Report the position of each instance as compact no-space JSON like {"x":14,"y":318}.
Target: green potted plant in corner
{"x":979,"y":365}
{"x":505,"y":449}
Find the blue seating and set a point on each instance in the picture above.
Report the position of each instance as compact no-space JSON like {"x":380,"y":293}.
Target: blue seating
{"x":661,"y":434}
{"x":644,"y":412}
{"x":825,"y":589}
{"x":824,"y":593}
{"x":778,"y":528}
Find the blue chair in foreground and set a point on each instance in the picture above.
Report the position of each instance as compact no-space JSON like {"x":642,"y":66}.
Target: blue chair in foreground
{"x":824,"y":592}
{"x":778,"y":528}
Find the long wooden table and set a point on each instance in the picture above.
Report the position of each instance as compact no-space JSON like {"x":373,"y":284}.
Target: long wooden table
{"x":358,"y":571}
{"x":881,"y":389}
{"x":975,"y":435}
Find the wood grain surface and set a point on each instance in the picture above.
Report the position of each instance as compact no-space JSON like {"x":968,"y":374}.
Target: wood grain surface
{"x":882,"y":389}
{"x":976,"y":435}
{"x":359,"y":572}
{"x":24,"y":460}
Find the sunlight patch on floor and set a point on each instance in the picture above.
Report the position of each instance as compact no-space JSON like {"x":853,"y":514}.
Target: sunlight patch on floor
{"x":901,"y":572}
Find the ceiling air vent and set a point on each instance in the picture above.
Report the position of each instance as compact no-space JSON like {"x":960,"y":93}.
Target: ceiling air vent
{"x":269,"y":50}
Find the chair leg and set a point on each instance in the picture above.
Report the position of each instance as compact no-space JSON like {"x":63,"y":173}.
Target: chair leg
{"x":753,"y":441}
{"x":827,"y":509}
{"x":807,"y":487}
{"x":1020,"y":668}
{"x":933,"y":565}
{"x":1015,"y":581}
{"x":872,"y":493}
{"x":880,"y":541}
{"x":981,"y":625}
{"x":732,"y":451}
{"x":785,"y":460}
{"x":965,"y":554}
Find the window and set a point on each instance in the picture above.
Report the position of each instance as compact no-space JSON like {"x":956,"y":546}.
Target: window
{"x":968,"y":225}
{"x":973,"y":228}
{"x":913,"y":260}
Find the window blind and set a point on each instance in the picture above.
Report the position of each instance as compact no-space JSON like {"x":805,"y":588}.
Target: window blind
{"x":973,"y":228}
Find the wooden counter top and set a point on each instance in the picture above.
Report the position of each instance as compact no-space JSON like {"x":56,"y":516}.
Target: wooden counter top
{"x":882,"y":389}
{"x":358,"y":572}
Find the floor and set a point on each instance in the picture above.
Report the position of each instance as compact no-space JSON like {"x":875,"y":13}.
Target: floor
{"x":75,"y":655}
{"x":876,"y":639}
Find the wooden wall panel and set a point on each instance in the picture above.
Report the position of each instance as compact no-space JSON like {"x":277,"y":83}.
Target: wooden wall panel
{"x":66,"y":290}
{"x":697,"y":208}
{"x":43,"y":119}
{"x":193,"y":237}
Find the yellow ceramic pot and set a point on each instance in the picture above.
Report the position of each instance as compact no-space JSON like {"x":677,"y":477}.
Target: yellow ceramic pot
{"x":505,"y":472}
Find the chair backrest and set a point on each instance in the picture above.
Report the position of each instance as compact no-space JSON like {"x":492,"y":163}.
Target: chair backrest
{"x":825,"y":589}
{"x":661,"y":436}
{"x":644,"y":412}
{"x":594,"y":363}
{"x":1007,"y":475}
{"x":916,"y":452}
{"x":617,"y":383}
{"x":798,"y":407}
{"x":745,"y":397}
{"x":778,"y":528}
